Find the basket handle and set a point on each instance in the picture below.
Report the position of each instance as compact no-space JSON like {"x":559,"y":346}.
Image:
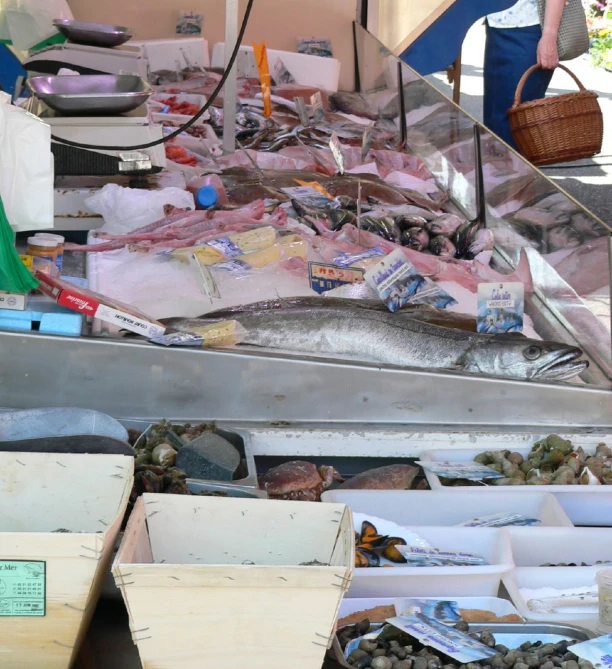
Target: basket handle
{"x":530,"y":71}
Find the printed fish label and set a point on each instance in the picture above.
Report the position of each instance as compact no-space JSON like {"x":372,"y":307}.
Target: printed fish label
{"x":327,"y":277}
{"x":434,"y":557}
{"x":461,"y":470}
{"x":500,"y":520}
{"x":447,"y":640}
{"x":398,"y":283}
{"x":597,"y":651}
{"x":444,"y":610}
{"x":350,"y":259}
{"x":501,"y":307}
{"x":23,"y":588}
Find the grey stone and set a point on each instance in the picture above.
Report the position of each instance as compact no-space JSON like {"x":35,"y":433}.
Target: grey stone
{"x":209,"y":457}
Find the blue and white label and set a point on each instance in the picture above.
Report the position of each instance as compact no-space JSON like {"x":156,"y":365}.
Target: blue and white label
{"x":350,"y":259}
{"x":598,"y":651}
{"x":472,"y":471}
{"x":225,"y":246}
{"x":501,"y":307}
{"x":398,"y":283}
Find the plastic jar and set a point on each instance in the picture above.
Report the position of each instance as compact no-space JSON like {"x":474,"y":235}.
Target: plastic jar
{"x":39,"y":247}
{"x":604,"y":582}
{"x":59,"y":240}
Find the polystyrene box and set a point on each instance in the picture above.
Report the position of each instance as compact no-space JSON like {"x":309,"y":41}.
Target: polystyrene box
{"x":447,"y":507}
{"x":401,"y":581}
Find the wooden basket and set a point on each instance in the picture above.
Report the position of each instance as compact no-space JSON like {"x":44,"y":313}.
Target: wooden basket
{"x":557,"y":129}
{"x":234,"y":583}
{"x":60,"y":517}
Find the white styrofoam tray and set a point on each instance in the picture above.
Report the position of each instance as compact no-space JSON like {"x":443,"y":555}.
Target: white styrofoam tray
{"x":316,"y":71}
{"x":500,"y":607}
{"x":449,"y":507}
{"x":584,"y":504}
{"x":551,"y":577}
{"x":401,"y":581}
{"x":556,"y":544}
{"x":179,"y":52}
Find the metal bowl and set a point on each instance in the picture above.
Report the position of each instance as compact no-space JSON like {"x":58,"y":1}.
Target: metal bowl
{"x":91,"y":94}
{"x":93,"y":34}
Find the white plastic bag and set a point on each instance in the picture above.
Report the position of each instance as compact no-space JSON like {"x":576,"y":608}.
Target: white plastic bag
{"x":30,"y":22}
{"x":125,"y":209}
{"x":26,"y":168}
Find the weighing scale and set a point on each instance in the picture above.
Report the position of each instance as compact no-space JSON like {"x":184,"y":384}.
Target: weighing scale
{"x":86,"y":59}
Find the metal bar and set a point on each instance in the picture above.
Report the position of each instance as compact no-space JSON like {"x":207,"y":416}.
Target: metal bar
{"x":402,"y":101}
{"x":362,"y":13}
{"x":229,"y":93}
{"x":356,"y":58}
{"x":610,"y":281}
{"x":481,"y":205}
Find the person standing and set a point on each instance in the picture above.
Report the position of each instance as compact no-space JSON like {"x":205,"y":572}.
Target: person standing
{"x":515,"y":42}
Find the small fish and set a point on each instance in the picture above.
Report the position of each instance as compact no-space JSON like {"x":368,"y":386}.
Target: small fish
{"x":302,"y":210}
{"x":484,"y":240}
{"x":441,"y":246}
{"x":339,"y":217}
{"x":444,"y":225}
{"x":415,"y":238}
{"x":405,"y":221}
{"x":464,"y":236}
{"x":383,"y":227}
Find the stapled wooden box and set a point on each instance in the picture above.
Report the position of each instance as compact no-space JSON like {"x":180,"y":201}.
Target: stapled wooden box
{"x":234,"y":583}
{"x":59,"y":518}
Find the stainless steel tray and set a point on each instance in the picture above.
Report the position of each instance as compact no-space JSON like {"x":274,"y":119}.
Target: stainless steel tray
{"x":91,"y":94}
{"x":511,"y":635}
{"x":241,"y":440}
{"x":93,"y":34}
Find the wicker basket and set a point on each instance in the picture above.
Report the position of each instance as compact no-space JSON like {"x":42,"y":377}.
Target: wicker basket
{"x":557,"y":129}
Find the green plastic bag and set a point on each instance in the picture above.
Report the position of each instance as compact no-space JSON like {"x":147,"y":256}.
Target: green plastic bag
{"x":14,"y":275}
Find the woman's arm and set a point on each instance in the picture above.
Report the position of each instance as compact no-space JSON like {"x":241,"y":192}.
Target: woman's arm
{"x":548,"y":54}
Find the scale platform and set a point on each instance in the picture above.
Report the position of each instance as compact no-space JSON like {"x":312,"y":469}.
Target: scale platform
{"x":89,"y":60}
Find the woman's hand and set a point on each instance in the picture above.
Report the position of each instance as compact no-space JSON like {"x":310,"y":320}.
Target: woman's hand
{"x":548,"y":53}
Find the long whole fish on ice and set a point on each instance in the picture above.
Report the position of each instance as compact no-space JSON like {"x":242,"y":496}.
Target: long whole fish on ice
{"x":368,"y":335}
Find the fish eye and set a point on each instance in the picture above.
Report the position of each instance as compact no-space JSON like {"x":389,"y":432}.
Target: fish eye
{"x":532,"y":352}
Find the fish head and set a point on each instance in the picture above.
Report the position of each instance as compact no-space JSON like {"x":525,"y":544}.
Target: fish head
{"x":516,"y":357}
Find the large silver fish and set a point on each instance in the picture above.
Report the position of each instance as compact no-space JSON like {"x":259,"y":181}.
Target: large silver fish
{"x":379,"y":337}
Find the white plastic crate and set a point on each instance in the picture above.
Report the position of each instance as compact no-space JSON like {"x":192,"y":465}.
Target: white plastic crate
{"x":448,"y":507}
{"x":551,"y":577}
{"x":402,"y":581}
{"x":500,"y":607}
{"x":584,"y":504}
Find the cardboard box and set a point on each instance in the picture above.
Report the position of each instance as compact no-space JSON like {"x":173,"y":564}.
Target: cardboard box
{"x":95,"y":305}
{"x":13,"y":301}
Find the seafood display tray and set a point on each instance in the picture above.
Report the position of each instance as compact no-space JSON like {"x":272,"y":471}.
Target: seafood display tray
{"x":584,"y":504}
{"x":511,"y":635}
{"x":241,"y":440}
{"x":533,"y":578}
{"x":481,"y":580}
{"x":447,"y":507}
{"x":496,"y":605}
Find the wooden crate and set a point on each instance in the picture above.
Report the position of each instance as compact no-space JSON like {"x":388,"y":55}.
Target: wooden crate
{"x":220,"y":582}
{"x":84,"y":496}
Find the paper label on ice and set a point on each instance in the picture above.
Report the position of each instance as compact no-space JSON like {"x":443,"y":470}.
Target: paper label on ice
{"x":398,"y":283}
{"x":447,"y":640}
{"x":128,"y":321}
{"x":327,"y":277}
{"x":461,"y":470}
{"x":500,"y":307}
{"x":500,"y":520}
{"x":435,"y":557}
{"x":337,"y":152}
{"x":281,"y":75}
{"x":445,"y":611}
{"x":206,"y":281}
{"x":598,"y":651}
{"x":349,"y":259}
{"x":225,"y":246}
{"x":23,"y":588}
{"x":302,"y":112}
{"x":308,"y":196}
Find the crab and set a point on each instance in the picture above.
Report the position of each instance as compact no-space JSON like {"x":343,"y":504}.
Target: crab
{"x":298,"y":480}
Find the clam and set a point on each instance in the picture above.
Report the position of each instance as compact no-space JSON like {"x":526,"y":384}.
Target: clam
{"x":163,"y":455}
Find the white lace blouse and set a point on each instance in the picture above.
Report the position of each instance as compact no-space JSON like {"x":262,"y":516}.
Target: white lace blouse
{"x":521,"y":15}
